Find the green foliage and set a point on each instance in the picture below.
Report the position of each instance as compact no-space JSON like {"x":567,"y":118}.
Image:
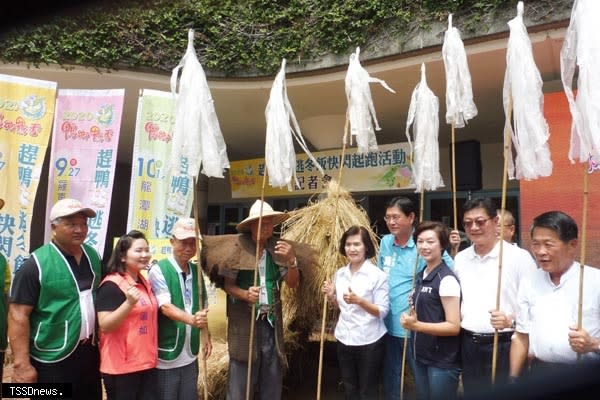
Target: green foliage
{"x":232,"y":37}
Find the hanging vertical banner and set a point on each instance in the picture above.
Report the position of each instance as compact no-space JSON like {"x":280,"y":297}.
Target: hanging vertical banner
{"x":26,"y":111}
{"x":157,"y":197}
{"x":84,"y":154}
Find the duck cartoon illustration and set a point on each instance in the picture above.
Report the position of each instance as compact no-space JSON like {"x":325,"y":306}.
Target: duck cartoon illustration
{"x":105,"y":114}
{"x":176,"y":203}
{"x":33,"y":107}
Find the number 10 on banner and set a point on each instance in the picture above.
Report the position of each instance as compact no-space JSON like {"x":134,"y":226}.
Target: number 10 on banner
{"x":149,"y":168}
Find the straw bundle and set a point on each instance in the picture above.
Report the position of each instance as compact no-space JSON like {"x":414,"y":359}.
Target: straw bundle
{"x":321,"y":225}
{"x":218,"y":363}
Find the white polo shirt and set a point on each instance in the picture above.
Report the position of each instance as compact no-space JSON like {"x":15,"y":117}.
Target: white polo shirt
{"x":478,"y":278}
{"x":355,"y":326}
{"x":547,"y":310}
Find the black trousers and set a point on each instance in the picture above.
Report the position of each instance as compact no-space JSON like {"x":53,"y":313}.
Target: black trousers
{"x":140,"y":385}
{"x":360,"y":368}
{"x":81,"y":369}
{"x":476,"y":357}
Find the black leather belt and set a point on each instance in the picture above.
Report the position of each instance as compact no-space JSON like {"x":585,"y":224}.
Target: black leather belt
{"x":487,"y":338}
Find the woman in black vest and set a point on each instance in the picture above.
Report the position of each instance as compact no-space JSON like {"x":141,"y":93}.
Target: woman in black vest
{"x":434,"y":317}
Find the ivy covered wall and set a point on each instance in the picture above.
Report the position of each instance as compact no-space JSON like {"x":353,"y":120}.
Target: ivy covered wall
{"x":244,"y":37}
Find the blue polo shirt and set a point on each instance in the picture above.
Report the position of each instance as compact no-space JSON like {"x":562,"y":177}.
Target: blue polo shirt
{"x":399,"y":265}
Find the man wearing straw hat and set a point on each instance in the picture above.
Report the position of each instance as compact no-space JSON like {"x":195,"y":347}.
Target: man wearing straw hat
{"x":51,"y":319}
{"x":548,"y":301}
{"x":277,"y":262}
{"x":4,"y":286}
{"x":477,"y":269}
{"x":175,"y":284}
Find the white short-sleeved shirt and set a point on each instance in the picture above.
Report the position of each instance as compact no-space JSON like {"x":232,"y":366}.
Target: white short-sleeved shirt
{"x":478,"y":278}
{"x":355,"y":326}
{"x":449,"y":286}
{"x":547,"y":310}
{"x":163,"y":296}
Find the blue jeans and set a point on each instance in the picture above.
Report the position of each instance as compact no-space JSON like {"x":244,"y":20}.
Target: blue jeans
{"x":392,"y":365}
{"x":435,"y":383}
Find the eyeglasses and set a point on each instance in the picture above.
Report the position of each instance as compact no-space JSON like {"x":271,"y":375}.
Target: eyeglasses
{"x":479,"y":222}
{"x":390,"y":218}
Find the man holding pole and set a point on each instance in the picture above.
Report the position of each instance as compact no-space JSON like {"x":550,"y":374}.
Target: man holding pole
{"x":548,"y":301}
{"x":477,"y":269}
{"x":177,"y":288}
{"x":277,"y":262}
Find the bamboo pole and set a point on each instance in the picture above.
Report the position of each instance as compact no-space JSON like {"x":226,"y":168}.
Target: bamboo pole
{"x":502,"y":208}
{"x":253,"y":308}
{"x":200,"y":286}
{"x":414,"y":278}
{"x":583,"y":250}
{"x":454,"y":208}
{"x":324,"y":317}
{"x":321,"y":347}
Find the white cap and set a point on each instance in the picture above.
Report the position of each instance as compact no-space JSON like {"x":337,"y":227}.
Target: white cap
{"x":184,"y":228}
{"x":67,"y":207}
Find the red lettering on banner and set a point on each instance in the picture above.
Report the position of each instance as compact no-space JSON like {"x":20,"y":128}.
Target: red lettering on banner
{"x":19,"y":126}
{"x":243,"y":180}
{"x":72,"y":132}
{"x":155,"y":133}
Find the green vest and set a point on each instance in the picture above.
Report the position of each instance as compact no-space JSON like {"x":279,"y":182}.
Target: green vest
{"x":171,"y":333}
{"x":245,"y":279}
{"x":238,"y":314}
{"x":3,"y":310}
{"x":55,"y":321}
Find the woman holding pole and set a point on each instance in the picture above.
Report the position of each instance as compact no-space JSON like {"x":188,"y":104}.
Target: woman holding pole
{"x":360,"y":291}
{"x":434,"y":317}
